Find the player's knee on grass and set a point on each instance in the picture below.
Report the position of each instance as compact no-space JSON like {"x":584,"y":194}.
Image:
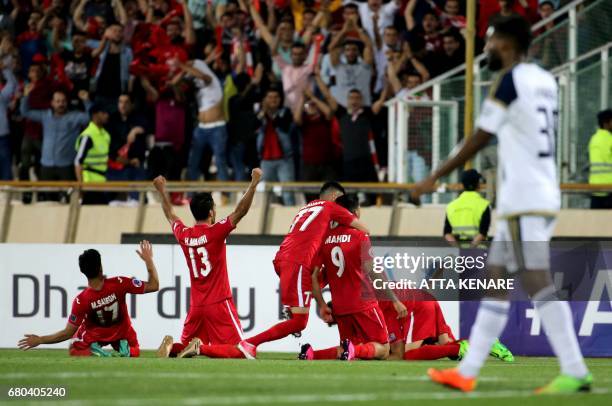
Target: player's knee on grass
{"x":79,"y":352}
{"x":134,"y":352}
{"x":396,"y":350}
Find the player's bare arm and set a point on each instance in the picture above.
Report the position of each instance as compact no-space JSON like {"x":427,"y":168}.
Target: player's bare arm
{"x":324,"y":311}
{"x":160,"y":185}
{"x":146,"y":254}
{"x":359,"y":225}
{"x":32,"y":340}
{"x":399,"y":307}
{"x":474,"y":144}
{"x":243,"y":206}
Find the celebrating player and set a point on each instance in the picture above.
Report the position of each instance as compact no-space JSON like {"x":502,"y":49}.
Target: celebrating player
{"x":431,"y":337}
{"x":344,"y":257}
{"x":99,"y":314}
{"x":294,"y":259}
{"x":212,"y":327}
{"x":522,"y":112}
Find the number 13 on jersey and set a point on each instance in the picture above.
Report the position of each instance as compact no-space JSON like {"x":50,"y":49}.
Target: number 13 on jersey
{"x":202,"y":255}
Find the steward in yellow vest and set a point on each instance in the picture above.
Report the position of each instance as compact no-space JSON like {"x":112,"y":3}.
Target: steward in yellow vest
{"x":92,"y":147}
{"x":600,"y":160}
{"x":468,"y":217}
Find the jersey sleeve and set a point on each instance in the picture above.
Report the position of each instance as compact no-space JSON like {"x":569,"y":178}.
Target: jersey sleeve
{"x":341,"y":215}
{"x":179,"y":229}
{"x":222,"y":228}
{"x":78,"y":312}
{"x":134,"y":286}
{"x":495,"y":107}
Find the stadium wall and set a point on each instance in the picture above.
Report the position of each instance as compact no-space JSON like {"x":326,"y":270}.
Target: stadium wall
{"x":105,"y":224}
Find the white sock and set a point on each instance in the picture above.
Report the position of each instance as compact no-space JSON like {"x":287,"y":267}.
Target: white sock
{"x":556,"y":318}
{"x":490,"y":322}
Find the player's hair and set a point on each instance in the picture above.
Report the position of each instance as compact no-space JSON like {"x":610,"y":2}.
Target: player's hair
{"x":349,"y":202}
{"x":603,"y":117}
{"x":90,"y":263}
{"x":515,"y":28}
{"x":331,"y":186}
{"x":201,"y":205}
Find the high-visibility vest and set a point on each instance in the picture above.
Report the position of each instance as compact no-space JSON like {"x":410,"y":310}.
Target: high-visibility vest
{"x":600,"y":158}
{"x":95,"y":163}
{"x":465,"y":212}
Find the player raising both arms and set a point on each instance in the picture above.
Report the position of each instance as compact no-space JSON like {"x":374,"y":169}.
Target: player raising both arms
{"x":522,"y":112}
{"x":344,"y":257}
{"x":212,"y":327}
{"x":293,"y":263}
{"x":99,"y":314}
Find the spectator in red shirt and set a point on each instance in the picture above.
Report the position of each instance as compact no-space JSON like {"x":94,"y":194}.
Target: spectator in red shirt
{"x":429,"y":28}
{"x":314,"y":116}
{"x":274,"y":142}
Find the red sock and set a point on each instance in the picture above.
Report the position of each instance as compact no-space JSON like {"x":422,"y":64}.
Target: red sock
{"x":328,"y":353}
{"x":295,"y":324}
{"x":365,"y":351}
{"x":430,"y":352}
{"x":176,"y":348}
{"x":221,"y":351}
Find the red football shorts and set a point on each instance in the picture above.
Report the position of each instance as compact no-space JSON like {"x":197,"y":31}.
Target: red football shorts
{"x":363,"y":327}
{"x":82,"y":339}
{"x":295,"y":283}
{"x":216,"y":323}
{"x":429,"y":321}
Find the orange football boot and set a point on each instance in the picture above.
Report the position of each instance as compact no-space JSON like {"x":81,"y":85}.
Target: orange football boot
{"x":452,"y":378}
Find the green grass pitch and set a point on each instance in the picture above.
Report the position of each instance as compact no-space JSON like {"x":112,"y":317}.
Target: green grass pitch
{"x":279,"y":379}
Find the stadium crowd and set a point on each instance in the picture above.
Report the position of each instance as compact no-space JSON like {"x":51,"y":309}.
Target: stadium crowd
{"x":213,"y":88}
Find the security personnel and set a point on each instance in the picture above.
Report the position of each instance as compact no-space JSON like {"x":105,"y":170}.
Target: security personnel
{"x":600,"y":159}
{"x":92,"y":147}
{"x":468,"y":217}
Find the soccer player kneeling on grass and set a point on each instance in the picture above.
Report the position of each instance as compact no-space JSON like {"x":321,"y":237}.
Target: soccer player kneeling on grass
{"x":431,"y":337}
{"x":361,"y":324}
{"x":212,"y":327}
{"x":99,"y":314}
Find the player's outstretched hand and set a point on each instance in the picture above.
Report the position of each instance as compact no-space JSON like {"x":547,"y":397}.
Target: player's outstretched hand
{"x":29,"y":341}
{"x":160,"y":184}
{"x":423,"y":187}
{"x":256,"y":175}
{"x":400,"y":309}
{"x":146,"y":251}
{"x":326,"y":313}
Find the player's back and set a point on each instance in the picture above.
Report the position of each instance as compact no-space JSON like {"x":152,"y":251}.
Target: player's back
{"x":343,"y":254}
{"x":106,"y":307}
{"x":527,"y":175}
{"x":204,"y":248}
{"x":307,"y":230}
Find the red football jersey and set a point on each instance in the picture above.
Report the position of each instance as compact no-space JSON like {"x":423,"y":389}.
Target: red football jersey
{"x":308,"y":229}
{"x":342,"y":256}
{"x":104,"y":312}
{"x":204,"y":249}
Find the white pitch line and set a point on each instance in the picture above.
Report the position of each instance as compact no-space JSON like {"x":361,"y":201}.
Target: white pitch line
{"x":216,"y":375}
{"x":316,"y":398}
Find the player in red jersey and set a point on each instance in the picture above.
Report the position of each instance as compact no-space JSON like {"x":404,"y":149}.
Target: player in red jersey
{"x":212,"y":327}
{"x":431,"y":337}
{"x":99,"y":314}
{"x":346,"y":260}
{"x":293,"y":263}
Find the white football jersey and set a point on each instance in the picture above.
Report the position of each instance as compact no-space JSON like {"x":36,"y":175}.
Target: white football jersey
{"x":522,"y":111}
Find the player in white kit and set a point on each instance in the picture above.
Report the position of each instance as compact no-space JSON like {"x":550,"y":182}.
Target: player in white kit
{"x":522,"y":111}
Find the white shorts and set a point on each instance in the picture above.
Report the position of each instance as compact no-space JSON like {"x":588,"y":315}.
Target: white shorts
{"x":522,"y":242}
